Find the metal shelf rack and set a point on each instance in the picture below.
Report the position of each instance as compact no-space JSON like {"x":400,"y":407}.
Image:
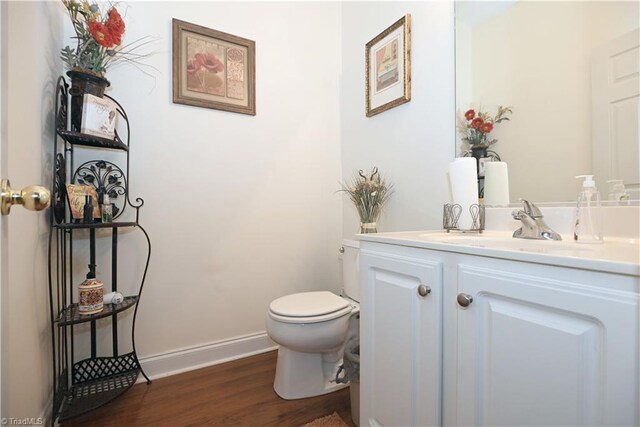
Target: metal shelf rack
{"x":84,"y":385}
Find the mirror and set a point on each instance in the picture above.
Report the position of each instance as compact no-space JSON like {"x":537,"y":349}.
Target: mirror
{"x":570,"y":72}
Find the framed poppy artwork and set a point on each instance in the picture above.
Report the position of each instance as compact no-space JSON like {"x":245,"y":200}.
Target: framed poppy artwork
{"x":212,"y":69}
{"x":388,"y":68}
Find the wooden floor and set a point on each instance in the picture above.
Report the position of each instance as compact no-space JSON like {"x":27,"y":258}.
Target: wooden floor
{"x":238,"y":393}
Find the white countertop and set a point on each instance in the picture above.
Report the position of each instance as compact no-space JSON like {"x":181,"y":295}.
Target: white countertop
{"x":615,"y":255}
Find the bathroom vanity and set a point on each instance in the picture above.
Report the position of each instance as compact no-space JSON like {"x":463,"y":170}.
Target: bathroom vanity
{"x":483,"y":330}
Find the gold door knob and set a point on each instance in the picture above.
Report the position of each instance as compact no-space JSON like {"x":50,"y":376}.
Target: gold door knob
{"x":33,"y":197}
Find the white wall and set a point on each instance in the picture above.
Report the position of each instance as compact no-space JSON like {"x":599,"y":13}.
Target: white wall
{"x":536,"y":57}
{"x":240,"y":209}
{"x":34,"y":37}
{"x":410,"y":144}
{"x":464,"y":68}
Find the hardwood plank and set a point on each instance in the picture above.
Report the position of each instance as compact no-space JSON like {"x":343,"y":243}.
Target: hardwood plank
{"x":237,"y":393}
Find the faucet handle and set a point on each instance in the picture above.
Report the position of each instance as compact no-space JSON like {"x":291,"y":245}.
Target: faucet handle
{"x":531,"y":209}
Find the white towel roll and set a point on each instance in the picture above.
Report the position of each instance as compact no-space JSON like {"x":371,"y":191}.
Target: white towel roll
{"x":463,"y":181}
{"x":496,"y":184}
{"x":113,"y":298}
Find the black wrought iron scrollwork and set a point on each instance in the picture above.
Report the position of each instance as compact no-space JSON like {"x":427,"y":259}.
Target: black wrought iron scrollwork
{"x":61,"y":117}
{"x":106,"y":178}
{"x":60,"y":190}
{"x":490,"y":154}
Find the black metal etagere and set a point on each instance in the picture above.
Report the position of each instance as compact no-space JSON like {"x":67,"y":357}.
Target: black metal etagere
{"x":84,"y":385}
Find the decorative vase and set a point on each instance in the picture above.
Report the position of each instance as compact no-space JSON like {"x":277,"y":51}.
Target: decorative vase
{"x":478,"y":153}
{"x":368,"y":227}
{"x":91,"y":293}
{"x":82,"y":83}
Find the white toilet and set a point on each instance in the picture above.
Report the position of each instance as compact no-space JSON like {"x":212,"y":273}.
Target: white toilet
{"x":312,"y":328}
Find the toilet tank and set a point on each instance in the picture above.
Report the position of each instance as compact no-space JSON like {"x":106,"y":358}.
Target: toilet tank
{"x":351,"y":269}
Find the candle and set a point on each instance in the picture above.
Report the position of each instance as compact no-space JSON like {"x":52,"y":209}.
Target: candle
{"x":496,"y":184}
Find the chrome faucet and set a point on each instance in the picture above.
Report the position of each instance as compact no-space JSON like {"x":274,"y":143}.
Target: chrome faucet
{"x":533,"y":225}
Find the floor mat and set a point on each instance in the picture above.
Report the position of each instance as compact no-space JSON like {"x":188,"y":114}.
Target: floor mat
{"x":332,"y":420}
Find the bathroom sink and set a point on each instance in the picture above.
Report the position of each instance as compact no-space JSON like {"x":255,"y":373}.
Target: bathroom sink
{"x":504,"y":240}
{"x":613,"y":249}
{"x":616,"y":254}
{"x":485,"y":238}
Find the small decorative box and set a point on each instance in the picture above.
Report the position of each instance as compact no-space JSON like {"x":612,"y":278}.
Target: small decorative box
{"x":91,"y":296}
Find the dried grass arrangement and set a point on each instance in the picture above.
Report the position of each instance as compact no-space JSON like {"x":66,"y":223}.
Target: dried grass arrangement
{"x":369,"y":193}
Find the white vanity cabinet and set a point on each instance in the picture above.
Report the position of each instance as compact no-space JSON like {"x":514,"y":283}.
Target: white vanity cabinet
{"x":545,"y":346}
{"x":517,"y":343}
{"x":400,"y":317}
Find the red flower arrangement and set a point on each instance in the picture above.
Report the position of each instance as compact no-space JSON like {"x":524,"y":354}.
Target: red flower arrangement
{"x":99,"y":35}
{"x":476,"y":127}
{"x":110,"y":33}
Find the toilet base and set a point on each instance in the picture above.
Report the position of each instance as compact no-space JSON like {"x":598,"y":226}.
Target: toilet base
{"x":300,"y":375}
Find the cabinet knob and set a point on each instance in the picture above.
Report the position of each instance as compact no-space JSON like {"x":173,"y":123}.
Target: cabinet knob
{"x":464,"y":300}
{"x":424,"y":290}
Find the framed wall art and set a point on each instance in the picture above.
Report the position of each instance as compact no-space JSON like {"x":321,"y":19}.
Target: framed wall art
{"x":99,"y":116}
{"x":388,"y":68}
{"x":76,"y":195}
{"x":212,"y":69}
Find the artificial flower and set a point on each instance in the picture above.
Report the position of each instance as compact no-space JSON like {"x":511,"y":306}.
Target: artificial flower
{"x":99,"y":36}
{"x":369,"y":193}
{"x":470,"y":114}
{"x":115,"y":26}
{"x":476,"y":123}
{"x":486,"y":127}
{"x":475,"y":126}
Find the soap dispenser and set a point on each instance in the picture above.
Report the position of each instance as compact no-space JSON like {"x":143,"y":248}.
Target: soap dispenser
{"x":587,"y":225}
{"x":617,"y":191}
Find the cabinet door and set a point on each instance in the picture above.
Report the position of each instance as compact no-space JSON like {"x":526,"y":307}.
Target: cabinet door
{"x":400,"y":341}
{"x":541,"y":352}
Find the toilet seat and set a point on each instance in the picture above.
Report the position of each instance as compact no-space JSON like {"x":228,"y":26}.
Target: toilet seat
{"x":309,"y":307}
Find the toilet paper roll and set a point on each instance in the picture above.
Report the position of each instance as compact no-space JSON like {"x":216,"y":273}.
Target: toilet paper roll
{"x":463,"y":183}
{"x":496,"y":184}
{"x":113,"y":298}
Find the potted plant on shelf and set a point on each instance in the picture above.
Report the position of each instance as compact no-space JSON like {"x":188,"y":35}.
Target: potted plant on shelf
{"x":476,"y":127}
{"x":99,"y":29}
{"x":369,"y":193}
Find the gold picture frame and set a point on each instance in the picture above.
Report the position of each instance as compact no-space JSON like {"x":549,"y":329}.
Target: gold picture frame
{"x":212,"y":69}
{"x":388,"y":68}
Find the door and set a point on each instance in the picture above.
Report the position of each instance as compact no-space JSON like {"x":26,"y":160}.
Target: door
{"x":615,"y":112}
{"x":28,"y":70}
{"x":545,"y":352}
{"x":3,"y":238}
{"x":401,"y":341}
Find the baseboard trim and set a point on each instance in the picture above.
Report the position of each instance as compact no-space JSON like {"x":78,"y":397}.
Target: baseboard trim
{"x":45,"y":416}
{"x":201,"y":356}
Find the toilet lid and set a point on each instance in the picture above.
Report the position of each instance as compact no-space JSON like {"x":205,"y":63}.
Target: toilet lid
{"x":308,"y":304}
